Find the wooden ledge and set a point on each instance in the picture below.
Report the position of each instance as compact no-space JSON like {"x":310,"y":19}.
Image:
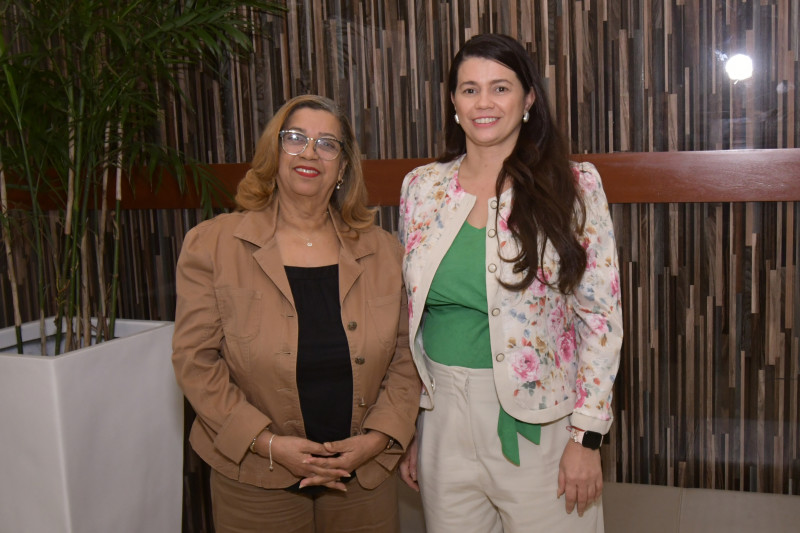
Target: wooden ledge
{"x":654,"y":177}
{"x":630,"y":177}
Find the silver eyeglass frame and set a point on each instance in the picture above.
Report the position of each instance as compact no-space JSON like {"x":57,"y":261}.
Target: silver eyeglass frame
{"x":308,"y":139}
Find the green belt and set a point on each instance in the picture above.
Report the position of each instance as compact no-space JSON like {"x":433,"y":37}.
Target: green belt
{"x":507,"y":429}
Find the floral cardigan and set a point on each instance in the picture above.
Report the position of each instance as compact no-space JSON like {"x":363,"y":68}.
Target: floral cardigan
{"x":553,"y":355}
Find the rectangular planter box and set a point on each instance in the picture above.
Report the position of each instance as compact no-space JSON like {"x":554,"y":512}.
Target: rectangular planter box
{"x":92,"y":440}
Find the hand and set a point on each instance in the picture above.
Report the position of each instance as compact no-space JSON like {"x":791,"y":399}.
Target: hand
{"x":295,"y":454}
{"x":349,"y":454}
{"x":408,"y":465}
{"x":580,"y":476}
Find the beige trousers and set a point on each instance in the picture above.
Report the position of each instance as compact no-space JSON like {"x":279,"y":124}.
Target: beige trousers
{"x":468,"y":485}
{"x":240,"y":508}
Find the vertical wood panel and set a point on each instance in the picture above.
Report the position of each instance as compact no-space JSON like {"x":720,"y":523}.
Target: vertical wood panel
{"x":708,"y":392}
{"x":628,"y":75}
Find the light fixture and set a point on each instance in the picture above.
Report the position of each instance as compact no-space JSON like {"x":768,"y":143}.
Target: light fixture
{"x":739,"y":67}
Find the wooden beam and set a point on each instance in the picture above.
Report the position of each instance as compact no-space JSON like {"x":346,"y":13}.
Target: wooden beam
{"x":630,"y":177}
{"x":712,"y":176}
{"x":654,"y":177}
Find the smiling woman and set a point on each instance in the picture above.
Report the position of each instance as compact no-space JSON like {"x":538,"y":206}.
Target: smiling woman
{"x":489,"y":102}
{"x":291,"y":327}
{"x":514,"y":293}
{"x":308,"y":172}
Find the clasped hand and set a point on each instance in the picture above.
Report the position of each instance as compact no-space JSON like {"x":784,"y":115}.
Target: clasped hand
{"x":326,"y":464}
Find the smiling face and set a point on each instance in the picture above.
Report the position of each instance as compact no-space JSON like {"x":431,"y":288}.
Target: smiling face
{"x":490,"y":101}
{"x":306,"y":176}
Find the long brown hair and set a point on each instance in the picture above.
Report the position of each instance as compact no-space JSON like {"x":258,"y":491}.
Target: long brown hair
{"x":257,"y":188}
{"x":546,"y":197}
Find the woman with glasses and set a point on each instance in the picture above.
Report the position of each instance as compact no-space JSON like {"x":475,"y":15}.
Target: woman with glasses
{"x":511,"y":270}
{"x":291,"y":339}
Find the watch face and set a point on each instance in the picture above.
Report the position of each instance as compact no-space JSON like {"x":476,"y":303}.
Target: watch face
{"x":592,"y":440}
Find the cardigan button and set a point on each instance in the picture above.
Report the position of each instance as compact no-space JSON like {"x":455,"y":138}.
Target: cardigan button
{"x":360,"y":360}
{"x":492,"y":268}
{"x":492,"y":233}
{"x":499,"y":357}
{"x":352,"y":326}
{"x":495,"y":311}
{"x":493,"y":204}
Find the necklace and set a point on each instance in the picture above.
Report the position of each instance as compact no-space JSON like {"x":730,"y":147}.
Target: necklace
{"x":308,"y":241}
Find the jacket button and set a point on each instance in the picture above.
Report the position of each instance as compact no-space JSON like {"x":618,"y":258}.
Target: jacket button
{"x":352,"y":326}
{"x":493,"y":204}
{"x":359,"y":360}
{"x":495,"y":311}
{"x":492,"y":267}
{"x":499,"y":357}
{"x":492,"y":233}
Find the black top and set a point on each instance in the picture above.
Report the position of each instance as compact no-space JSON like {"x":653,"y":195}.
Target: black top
{"x":324,"y":374}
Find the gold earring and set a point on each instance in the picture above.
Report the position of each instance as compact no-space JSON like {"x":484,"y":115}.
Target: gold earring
{"x":339,"y":183}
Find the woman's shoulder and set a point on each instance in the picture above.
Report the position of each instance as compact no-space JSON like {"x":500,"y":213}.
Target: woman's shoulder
{"x":584,"y":167}
{"x":219,"y":223}
{"x":379,"y":236}
{"x":380,"y":240}
{"x":214,"y":229}
{"x":430,"y":175}
{"x":586,"y":175}
{"x":210,"y":238}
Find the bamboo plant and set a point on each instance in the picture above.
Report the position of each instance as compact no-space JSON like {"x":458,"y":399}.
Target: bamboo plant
{"x":83,"y":85}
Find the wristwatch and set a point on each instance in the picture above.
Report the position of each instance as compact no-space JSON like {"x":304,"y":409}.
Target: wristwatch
{"x":587,"y":439}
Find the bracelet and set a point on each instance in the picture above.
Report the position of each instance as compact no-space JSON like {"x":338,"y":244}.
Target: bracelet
{"x":270,"y":452}
{"x":253,"y":443}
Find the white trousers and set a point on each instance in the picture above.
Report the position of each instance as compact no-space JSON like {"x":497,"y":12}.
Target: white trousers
{"x":468,"y":485}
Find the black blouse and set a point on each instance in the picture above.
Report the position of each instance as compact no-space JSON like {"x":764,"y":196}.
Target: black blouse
{"x":324,"y":374}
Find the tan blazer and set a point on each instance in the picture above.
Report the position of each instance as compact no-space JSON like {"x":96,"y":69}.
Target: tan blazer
{"x":235,"y":343}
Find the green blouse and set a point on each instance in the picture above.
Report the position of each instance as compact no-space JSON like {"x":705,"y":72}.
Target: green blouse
{"x":456,"y":331}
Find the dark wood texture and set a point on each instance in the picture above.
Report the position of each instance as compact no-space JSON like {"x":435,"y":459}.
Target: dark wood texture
{"x":632,"y":177}
{"x":709,"y":243}
{"x":621,"y":75}
{"x":707,"y":394}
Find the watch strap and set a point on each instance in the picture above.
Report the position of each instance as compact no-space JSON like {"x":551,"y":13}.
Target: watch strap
{"x":588,"y":439}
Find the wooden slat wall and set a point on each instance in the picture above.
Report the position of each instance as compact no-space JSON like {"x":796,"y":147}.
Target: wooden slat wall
{"x":622,"y":75}
{"x":707,"y":394}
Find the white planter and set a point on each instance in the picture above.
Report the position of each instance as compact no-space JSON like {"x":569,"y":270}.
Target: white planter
{"x":92,"y":440}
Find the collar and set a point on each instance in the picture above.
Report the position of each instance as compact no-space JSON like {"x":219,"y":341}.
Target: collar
{"x":258,"y":228}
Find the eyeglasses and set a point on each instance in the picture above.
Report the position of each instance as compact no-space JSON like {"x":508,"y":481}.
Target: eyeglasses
{"x":295,"y":143}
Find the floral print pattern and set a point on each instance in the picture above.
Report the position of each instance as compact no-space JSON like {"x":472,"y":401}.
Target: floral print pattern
{"x":553,"y":355}
{"x":524,"y":366}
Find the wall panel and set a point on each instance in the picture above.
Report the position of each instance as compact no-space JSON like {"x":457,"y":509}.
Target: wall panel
{"x":707,"y":394}
{"x":622,"y":75}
